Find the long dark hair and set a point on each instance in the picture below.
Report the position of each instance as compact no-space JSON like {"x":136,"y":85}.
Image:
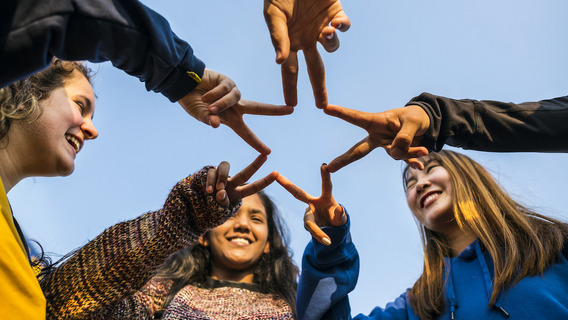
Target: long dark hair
{"x":276,"y":272}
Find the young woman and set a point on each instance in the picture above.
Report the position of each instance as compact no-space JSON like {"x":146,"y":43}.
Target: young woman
{"x":241,"y":269}
{"x":485,"y":256}
{"x":44,"y":122}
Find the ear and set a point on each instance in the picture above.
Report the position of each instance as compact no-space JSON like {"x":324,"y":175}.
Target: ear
{"x":203,"y":241}
{"x":267,"y":247}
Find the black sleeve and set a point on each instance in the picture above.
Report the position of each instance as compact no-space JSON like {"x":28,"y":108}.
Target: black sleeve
{"x":127,"y":33}
{"x":496,"y":126}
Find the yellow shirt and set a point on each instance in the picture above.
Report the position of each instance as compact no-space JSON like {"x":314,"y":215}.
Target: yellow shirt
{"x":20,"y":294}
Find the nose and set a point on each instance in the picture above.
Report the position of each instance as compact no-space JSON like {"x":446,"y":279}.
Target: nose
{"x":241,"y":223}
{"x":421,"y":185}
{"x":89,"y":130}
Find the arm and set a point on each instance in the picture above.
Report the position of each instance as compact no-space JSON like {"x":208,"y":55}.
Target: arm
{"x":127,"y":33}
{"x":495,"y":126}
{"x":329,"y":273}
{"x":122,"y":259}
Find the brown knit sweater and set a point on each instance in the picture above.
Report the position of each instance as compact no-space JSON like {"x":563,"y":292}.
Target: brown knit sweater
{"x":118,"y":262}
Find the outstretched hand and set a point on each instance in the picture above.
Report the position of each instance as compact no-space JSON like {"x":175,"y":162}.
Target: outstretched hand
{"x":231,"y":189}
{"x":322,"y":211}
{"x":217,"y":100}
{"x":398,"y":131}
{"x":298,"y":25}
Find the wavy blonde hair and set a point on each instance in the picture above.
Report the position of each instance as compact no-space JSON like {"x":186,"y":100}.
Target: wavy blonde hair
{"x":21,"y":99}
{"x":520,"y":241}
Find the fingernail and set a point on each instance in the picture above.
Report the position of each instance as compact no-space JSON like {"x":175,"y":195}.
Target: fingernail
{"x":326,"y":241}
{"x":224,"y":196}
{"x":339,"y":26}
{"x":329,"y":36}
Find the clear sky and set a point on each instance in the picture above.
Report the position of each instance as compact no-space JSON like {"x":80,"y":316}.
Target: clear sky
{"x":506,"y":50}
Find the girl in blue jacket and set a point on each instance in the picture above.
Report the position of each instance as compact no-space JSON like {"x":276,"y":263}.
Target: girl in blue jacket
{"x":485,"y":255}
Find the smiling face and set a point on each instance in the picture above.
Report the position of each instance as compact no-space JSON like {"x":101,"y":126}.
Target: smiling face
{"x":429,"y":197}
{"x":238,"y":244}
{"x":48,"y":145}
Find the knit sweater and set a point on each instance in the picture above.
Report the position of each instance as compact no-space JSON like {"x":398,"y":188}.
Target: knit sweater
{"x":213,"y":300}
{"x":118,"y":262}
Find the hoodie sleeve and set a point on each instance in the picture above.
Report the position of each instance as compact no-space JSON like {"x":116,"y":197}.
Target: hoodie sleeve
{"x":495,"y":126}
{"x":118,"y":262}
{"x":134,"y":38}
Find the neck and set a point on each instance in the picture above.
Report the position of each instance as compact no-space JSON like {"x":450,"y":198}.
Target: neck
{"x":232,"y":275}
{"x":459,"y":240}
{"x":9,"y":170}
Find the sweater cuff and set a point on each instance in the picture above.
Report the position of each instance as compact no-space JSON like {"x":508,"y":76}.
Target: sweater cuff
{"x":341,"y":244}
{"x":184,"y":78}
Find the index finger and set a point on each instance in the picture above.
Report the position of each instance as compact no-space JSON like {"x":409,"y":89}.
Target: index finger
{"x":264,"y":109}
{"x":358,"y":151}
{"x":359,"y":118}
{"x":293,"y":189}
{"x":254,"y":187}
{"x":243,"y":131}
{"x":326,"y":185}
{"x":247,"y":172}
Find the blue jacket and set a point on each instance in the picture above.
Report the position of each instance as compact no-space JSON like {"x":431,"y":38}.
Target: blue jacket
{"x":330,"y":273}
{"x":127,"y":33}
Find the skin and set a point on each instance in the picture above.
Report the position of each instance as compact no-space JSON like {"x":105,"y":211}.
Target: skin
{"x":217,"y":100}
{"x":233,"y":259}
{"x":429,"y":197}
{"x":398,"y":131}
{"x":40,"y":148}
{"x":296,"y":25}
{"x":322,"y":211}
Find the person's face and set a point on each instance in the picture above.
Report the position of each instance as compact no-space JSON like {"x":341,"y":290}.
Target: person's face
{"x":429,"y":197}
{"x":55,"y":138}
{"x":238,"y":244}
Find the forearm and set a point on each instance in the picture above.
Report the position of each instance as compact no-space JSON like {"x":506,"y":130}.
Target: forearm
{"x":495,"y":126}
{"x":127,"y":33}
{"x":329,"y":273}
{"x":123,"y":258}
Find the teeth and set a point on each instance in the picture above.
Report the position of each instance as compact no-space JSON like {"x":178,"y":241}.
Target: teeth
{"x":430,"y":198}
{"x":74,"y":142}
{"x":240,"y":241}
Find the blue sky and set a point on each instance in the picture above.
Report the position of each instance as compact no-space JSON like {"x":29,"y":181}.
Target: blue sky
{"x":501,"y":50}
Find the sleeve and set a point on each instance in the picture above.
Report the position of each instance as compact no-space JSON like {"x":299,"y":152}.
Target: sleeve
{"x":118,"y":262}
{"x":329,"y":273}
{"x":127,"y":33}
{"x":495,"y":126}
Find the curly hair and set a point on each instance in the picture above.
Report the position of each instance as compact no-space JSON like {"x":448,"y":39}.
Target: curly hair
{"x":21,"y":99}
{"x":275,"y":272}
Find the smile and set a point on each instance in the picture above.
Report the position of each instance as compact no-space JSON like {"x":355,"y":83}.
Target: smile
{"x":240,"y":241}
{"x":429,"y":198}
{"x":74,"y":142}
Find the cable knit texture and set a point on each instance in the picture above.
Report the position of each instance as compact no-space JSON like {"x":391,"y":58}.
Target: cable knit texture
{"x":118,"y":262}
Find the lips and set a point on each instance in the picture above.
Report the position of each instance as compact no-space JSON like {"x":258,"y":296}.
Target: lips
{"x":240,"y":241}
{"x":74,"y":141}
{"x":429,"y":197}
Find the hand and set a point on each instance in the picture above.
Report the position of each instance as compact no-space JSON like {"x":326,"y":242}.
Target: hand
{"x":322,"y":211}
{"x":217,"y":100}
{"x":231,"y":189}
{"x":398,"y":131}
{"x":298,"y":25}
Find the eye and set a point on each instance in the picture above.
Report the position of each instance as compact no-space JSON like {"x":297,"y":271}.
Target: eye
{"x":257,"y":218}
{"x":432,"y":166}
{"x":81,"y":106}
{"x":410,"y":184}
